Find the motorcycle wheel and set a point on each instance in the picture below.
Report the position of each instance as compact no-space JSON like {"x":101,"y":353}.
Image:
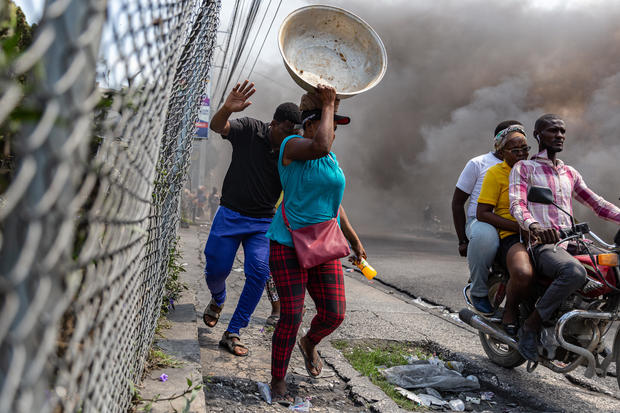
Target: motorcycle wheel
{"x":500,"y":353}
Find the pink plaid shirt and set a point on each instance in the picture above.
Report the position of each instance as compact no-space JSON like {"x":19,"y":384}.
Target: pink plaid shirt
{"x":565,"y":183}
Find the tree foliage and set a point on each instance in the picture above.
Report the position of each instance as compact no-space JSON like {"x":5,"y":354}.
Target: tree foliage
{"x":16,"y":35}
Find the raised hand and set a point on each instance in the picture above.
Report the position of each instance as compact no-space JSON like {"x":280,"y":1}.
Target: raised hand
{"x":237,"y":100}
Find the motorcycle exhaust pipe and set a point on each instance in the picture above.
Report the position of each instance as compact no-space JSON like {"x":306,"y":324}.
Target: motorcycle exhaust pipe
{"x":480,"y":324}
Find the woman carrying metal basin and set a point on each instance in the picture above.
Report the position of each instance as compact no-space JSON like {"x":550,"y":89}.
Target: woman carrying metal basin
{"x":324,"y":49}
{"x":313,"y":186}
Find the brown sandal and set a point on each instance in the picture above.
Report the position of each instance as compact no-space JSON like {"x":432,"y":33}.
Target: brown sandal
{"x":227,"y":341}
{"x":309,"y":362}
{"x":272,"y":320}
{"x":212,"y":310}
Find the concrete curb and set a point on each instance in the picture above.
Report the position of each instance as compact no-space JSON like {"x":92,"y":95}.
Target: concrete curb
{"x":181,"y":342}
{"x":362,"y":389}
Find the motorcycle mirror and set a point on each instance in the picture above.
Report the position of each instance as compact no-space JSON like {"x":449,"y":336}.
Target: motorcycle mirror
{"x":540,"y":195}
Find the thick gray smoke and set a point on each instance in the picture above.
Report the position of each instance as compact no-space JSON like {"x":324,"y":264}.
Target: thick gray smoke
{"x":456,"y":69}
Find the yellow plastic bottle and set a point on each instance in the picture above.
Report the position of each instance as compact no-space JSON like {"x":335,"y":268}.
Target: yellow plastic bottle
{"x":366,"y":269}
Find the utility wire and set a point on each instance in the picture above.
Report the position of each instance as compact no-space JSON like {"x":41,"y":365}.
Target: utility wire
{"x":242,"y":42}
{"x":247,"y":56}
{"x":234,"y":37}
{"x":265,"y":38}
{"x":237,"y":39}
{"x":286,"y":85}
{"x":232,"y":28}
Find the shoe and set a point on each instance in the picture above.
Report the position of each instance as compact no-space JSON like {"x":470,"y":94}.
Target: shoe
{"x":511,"y":329}
{"x":272,"y":320}
{"x":528,"y":344}
{"x":482,"y":305}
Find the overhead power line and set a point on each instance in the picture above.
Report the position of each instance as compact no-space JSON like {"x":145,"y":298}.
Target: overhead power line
{"x":232,"y":29}
{"x":247,"y":56}
{"x":242,"y":42}
{"x":265,"y":38}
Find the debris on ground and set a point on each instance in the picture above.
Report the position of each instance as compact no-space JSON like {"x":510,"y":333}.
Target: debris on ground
{"x":423,"y":374}
{"x":487,"y":395}
{"x":457,"y":405}
{"x":264,"y":391}
{"x":300,"y":405}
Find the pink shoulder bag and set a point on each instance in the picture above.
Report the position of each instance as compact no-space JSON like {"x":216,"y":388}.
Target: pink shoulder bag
{"x":318,"y":243}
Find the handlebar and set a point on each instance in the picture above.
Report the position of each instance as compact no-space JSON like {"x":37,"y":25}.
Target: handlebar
{"x":567,"y":234}
{"x":579,"y":230}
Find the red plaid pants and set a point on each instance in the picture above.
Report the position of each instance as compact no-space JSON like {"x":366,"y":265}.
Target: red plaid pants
{"x":325,"y":284}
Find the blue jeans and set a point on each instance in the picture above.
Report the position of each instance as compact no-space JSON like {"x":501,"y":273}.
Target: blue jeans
{"x":483,"y":245}
{"x":228,"y":230}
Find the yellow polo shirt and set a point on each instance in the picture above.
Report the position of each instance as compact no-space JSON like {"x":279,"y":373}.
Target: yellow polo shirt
{"x":495,"y":192}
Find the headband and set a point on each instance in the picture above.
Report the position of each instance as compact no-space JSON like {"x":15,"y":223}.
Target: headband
{"x":500,"y":138}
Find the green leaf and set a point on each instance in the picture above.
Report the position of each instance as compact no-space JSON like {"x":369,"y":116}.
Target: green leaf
{"x":9,"y":45}
{"x":189,"y":382}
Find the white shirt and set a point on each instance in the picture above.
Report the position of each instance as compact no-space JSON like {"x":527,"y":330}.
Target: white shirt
{"x":471,"y":179}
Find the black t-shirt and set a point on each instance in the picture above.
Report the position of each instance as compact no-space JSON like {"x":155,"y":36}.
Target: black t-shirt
{"x":252,"y":184}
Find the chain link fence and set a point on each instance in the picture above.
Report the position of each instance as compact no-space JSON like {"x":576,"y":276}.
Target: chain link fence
{"x":97,"y":118}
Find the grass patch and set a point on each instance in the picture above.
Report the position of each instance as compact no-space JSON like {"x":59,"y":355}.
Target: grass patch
{"x":174,"y":286}
{"x":162,"y":324}
{"x":157,"y":359}
{"x":367,"y":356}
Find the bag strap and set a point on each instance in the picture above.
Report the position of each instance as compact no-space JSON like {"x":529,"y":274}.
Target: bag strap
{"x":284,"y":216}
{"x":288,"y":226}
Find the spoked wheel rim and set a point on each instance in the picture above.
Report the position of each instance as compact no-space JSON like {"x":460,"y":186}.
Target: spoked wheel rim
{"x":499,"y":348}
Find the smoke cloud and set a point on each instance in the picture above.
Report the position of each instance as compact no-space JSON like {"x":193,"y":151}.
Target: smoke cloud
{"x":455,"y":69}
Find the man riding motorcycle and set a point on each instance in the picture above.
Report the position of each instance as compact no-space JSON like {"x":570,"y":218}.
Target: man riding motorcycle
{"x":543,"y":222}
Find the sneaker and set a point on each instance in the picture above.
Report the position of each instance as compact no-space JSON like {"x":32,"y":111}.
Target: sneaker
{"x":482,"y":305}
{"x":528,"y":344}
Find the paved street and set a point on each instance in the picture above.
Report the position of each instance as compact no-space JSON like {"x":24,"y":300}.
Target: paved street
{"x":416,"y":267}
{"x":421,"y":266}
{"x":430,"y":269}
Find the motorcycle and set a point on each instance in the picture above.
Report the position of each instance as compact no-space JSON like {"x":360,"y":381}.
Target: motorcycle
{"x":576,"y":334}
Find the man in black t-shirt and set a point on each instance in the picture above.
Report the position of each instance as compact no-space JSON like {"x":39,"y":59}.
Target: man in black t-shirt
{"x":249,"y":194}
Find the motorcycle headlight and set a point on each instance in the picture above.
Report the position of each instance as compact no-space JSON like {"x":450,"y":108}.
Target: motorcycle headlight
{"x":610,"y":259}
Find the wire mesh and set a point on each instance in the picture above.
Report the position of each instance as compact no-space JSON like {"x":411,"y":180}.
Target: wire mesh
{"x":97,"y":118}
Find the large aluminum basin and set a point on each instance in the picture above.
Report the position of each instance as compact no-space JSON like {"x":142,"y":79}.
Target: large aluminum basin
{"x":329,"y":45}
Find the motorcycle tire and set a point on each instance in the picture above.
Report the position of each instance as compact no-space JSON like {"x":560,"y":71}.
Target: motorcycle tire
{"x":500,"y":353}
